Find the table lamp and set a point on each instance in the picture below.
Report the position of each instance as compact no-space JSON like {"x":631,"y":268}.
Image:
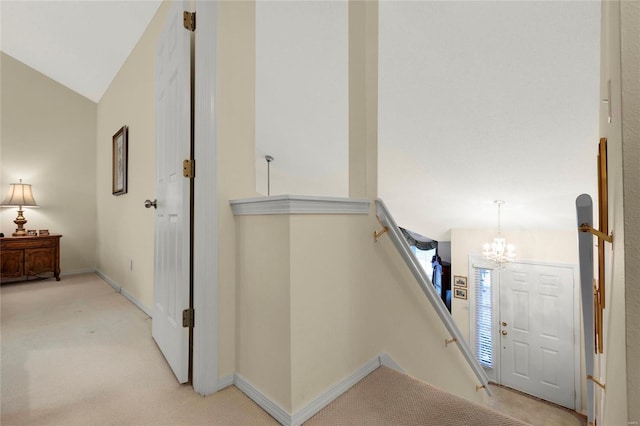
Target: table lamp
{"x":19,"y":195}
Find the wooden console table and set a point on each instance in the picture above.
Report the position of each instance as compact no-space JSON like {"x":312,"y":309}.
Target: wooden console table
{"x":29,"y":256}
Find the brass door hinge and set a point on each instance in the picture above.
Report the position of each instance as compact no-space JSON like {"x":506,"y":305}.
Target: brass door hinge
{"x":189,"y":20}
{"x":189,"y":168}
{"x":188,"y":318}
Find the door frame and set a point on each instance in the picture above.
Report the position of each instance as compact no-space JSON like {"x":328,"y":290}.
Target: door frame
{"x":477,"y":261}
{"x":205,"y":219}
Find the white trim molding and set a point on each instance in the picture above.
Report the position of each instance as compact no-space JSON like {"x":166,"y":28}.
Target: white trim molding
{"x":205,"y":215}
{"x":78,"y":272}
{"x":225,"y":381}
{"x":109,"y":281}
{"x":334,"y":392}
{"x":387,"y":361}
{"x":125,"y":293}
{"x":311,"y":409}
{"x":136,"y":302}
{"x":299,"y":204}
{"x":277,"y":412}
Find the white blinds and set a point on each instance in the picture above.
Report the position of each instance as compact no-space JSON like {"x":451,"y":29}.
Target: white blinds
{"x":484,"y":316}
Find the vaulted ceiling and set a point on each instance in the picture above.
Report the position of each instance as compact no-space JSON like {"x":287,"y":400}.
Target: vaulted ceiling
{"x":80,"y":44}
{"x":478,"y":100}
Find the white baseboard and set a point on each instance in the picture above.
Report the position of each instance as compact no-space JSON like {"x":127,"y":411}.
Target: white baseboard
{"x":387,"y":361}
{"x":311,"y":409}
{"x":78,"y":272}
{"x":136,"y":302}
{"x":124,"y":292}
{"x":334,"y":392}
{"x":277,"y":412}
{"x":109,"y":281}
{"x":225,"y":381}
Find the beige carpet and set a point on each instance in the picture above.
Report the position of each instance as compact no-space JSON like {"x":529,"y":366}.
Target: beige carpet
{"x":386,"y":397}
{"x":75,"y":352}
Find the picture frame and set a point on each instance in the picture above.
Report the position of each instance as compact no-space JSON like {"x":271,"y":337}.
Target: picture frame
{"x":459,"y":281}
{"x":460,"y":293}
{"x":120,"y":150}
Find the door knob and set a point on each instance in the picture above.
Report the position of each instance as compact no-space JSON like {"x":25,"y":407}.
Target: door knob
{"x":504,"y":324}
{"x":149,"y":203}
{"x":504,"y":332}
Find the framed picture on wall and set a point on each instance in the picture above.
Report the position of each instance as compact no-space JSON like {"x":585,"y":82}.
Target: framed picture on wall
{"x":459,"y":281}
{"x":460,"y":293}
{"x":119,"y":164}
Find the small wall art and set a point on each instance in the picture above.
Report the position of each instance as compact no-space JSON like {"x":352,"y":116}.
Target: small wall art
{"x":119,"y":163}
{"x":460,"y":293}
{"x":459,"y":281}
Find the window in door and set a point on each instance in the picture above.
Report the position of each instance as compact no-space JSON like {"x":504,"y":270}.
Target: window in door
{"x":484,"y":316}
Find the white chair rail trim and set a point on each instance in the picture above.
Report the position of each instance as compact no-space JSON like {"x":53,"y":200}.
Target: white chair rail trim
{"x":299,"y":204}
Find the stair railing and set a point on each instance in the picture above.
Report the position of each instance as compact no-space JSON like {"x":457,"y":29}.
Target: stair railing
{"x":390,"y":227}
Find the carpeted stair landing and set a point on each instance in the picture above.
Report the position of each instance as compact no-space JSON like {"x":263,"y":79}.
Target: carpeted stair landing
{"x":387,"y":397}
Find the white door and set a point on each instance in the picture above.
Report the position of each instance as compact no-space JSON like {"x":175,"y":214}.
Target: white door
{"x":537,"y":332}
{"x":171,"y":287}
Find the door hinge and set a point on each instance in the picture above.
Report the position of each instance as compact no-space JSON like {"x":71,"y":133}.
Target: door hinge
{"x":189,"y":168}
{"x":188,"y":318}
{"x":189,"y":20}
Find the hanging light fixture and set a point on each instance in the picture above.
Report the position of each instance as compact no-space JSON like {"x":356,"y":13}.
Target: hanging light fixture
{"x":499,"y":252}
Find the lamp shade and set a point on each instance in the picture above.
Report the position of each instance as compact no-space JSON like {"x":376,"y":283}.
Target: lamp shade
{"x":19,"y":195}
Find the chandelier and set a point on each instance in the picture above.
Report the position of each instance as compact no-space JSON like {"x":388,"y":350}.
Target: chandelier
{"x":499,"y":252}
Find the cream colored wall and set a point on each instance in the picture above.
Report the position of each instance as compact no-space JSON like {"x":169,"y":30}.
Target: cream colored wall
{"x":630,"y":52}
{"x":353,"y":298}
{"x":263,"y":323}
{"x":619,"y":366}
{"x":235,"y":105}
{"x":363,"y":99}
{"x":331,"y":307}
{"x":316,"y":290}
{"x":125,"y":228}
{"x":48,"y":139}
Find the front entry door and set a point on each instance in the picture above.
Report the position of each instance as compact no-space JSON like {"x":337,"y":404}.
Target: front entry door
{"x":171,"y":287}
{"x":536,"y":331}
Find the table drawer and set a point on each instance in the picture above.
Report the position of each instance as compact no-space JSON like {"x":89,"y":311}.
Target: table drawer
{"x":20,"y":243}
